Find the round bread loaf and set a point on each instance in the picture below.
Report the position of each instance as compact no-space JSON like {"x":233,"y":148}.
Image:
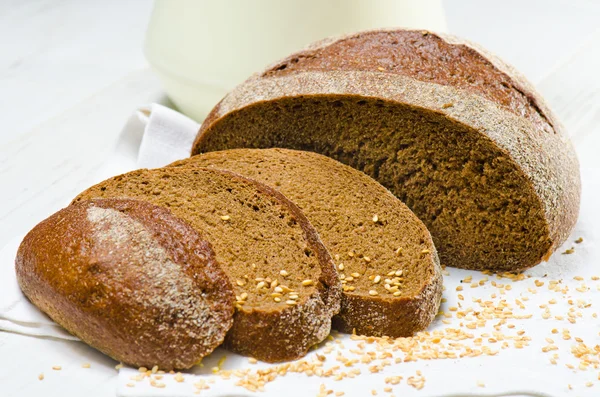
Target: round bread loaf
{"x":455,"y":133}
{"x":388,"y":266}
{"x":284,"y":279}
{"x":129,"y":279}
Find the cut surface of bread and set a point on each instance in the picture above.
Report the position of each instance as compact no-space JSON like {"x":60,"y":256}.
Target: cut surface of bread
{"x":459,"y":136}
{"x":130,"y":279}
{"x":284,"y":280}
{"x":392,"y":283}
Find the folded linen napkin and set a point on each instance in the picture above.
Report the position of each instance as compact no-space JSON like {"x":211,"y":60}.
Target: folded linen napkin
{"x":501,"y":357}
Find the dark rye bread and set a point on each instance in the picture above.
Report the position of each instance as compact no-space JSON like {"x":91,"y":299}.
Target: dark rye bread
{"x":451,"y":130}
{"x":129,"y":279}
{"x":265,"y":245}
{"x":388,"y":266}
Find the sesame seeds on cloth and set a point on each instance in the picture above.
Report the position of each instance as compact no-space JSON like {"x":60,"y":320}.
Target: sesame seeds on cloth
{"x":492,"y":334}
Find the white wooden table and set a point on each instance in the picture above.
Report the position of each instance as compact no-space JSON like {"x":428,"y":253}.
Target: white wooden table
{"x":71,"y":72}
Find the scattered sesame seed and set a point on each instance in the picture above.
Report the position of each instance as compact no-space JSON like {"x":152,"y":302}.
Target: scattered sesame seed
{"x":240,"y":283}
{"x":373,"y":292}
{"x":57,"y":367}
{"x":130,"y":384}
{"x":341,"y":266}
{"x":277,"y":299}
{"x":225,"y":217}
{"x":375,"y":218}
{"x":86,"y":365}
{"x":260,"y":285}
{"x":377,"y":279}
{"x":41,"y":376}
{"x":290,"y":302}
{"x":307,"y":282}
{"x":367,"y":259}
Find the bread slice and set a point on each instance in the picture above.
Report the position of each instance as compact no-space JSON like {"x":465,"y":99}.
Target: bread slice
{"x":452,"y":131}
{"x":392,"y":282}
{"x":129,"y":279}
{"x":284,"y":280}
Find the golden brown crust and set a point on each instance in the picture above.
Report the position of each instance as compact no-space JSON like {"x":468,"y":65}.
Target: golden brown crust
{"x":130,"y":279}
{"x":274,"y":334}
{"x":544,"y":155}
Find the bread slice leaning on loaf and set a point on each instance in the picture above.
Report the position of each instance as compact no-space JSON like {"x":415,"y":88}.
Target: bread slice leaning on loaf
{"x":130,"y":279}
{"x":284,"y":279}
{"x":455,"y":133}
{"x":392,"y":282}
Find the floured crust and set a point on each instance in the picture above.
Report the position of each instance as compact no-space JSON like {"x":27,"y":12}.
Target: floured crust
{"x":283,"y":334}
{"x":379,"y":315}
{"x":129,"y":279}
{"x":546,"y":157}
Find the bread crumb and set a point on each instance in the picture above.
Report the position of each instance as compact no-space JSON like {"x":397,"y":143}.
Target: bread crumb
{"x":579,"y":240}
{"x":569,"y":251}
{"x":447,"y":105}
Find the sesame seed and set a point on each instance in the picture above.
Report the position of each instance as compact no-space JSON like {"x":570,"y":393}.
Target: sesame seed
{"x":278,"y":289}
{"x":350,"y":254}
{"x":284,"y":273}
{"x":293,"y":296}
{"x":398,"y":273}
{"x":252,"y":360}
{"x":274,"y":283}
{"x":260,"y":285}
{"x":375,"y":218}
{"x":225,"y":217}
{"x":155,"y":369}
{"x":373,"y":292}
{"x":130,"y":384}
{"x":307,"y":282}
{"x":377,"y":279}
{"x":341,"y":266}
{"x":85,"y":365}
{"x":41,"y":376}
{"x":425,"y":251}
{"x":57,"y":368}
{"x":290,"y":302}
{"x":240,"y":283}
{"x":367,"y":259}
{"x":244,"y":296}
{"x":277,"y":299}
{"x":355,"y":275}
{"x":398,"y":251}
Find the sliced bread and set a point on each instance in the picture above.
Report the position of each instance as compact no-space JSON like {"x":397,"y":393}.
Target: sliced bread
{"x":130,"y":279}
{"x":455,"y":133}
{"x":392,"y":283}
{"x":284,"y":280}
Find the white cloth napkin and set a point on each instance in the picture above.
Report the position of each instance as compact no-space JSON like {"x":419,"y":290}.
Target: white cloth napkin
{"x":155,"y":136}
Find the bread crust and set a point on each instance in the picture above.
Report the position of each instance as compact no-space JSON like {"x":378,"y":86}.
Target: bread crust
{"x":98,"y":269}
{"x":382,"y":315}
{"x":271,"y":336}
{"x":544,"y":154}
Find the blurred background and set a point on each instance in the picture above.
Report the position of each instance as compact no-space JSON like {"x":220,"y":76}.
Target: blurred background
{"x":73,"y":71}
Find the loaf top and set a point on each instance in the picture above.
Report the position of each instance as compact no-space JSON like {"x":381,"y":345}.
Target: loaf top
{"x":424,"y":56}
{"x":130,"y":279}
